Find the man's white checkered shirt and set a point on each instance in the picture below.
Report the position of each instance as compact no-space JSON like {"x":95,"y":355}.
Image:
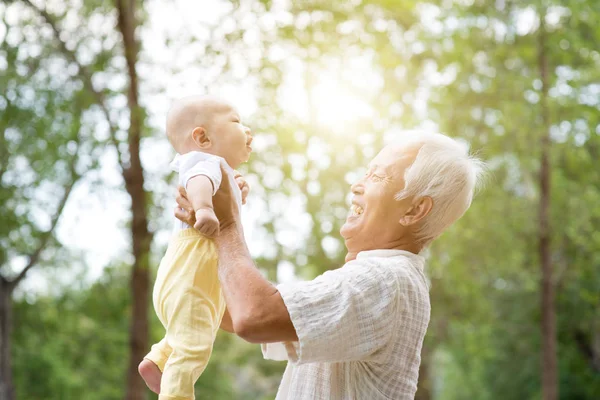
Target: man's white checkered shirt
{"x":360,"y":330}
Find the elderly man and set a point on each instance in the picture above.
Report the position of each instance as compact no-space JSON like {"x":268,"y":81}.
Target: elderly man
{"x":355,"y":332}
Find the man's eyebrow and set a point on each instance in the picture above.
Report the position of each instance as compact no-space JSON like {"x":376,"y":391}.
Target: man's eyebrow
{"x":374,"y":167}
{"x":371,"y":168}
{"x":389,"y":170}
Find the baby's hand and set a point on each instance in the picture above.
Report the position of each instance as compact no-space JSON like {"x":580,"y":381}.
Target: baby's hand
{"x":242,"y":184}
{"x":207,"y":222}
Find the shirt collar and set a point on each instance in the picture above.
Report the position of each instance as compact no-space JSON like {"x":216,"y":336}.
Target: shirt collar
{"x":387,"y":253}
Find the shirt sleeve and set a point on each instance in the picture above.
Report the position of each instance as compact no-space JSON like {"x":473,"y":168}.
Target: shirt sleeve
{"x":343,"y":315}
{"x":194,"y":166}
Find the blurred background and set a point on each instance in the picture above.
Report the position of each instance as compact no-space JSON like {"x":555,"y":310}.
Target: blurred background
{"x":86,"y":195}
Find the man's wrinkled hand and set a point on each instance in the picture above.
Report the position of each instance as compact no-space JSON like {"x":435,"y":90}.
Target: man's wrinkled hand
{"x":184,"y":210}
{"x":225,"y":204}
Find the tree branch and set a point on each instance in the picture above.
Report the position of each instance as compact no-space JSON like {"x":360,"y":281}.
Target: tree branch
{"x":34,"y":257}
{"x":3,"y":147}
{"x":586,"y":349}
{"x":3,"y":154}
{"x":74,"y":177}
{"x":83,"y":74}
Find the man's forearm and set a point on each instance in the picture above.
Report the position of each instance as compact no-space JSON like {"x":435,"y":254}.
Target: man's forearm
{"x":226,"y":323}
{"x":256,"y":307}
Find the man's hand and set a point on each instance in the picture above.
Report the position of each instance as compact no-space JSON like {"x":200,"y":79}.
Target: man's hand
{"x":207,"y":222}
{"x":225,"y":204}
{"x":184,"y":210}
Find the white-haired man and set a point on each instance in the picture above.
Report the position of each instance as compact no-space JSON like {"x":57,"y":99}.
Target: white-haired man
{"x":354,"y":332}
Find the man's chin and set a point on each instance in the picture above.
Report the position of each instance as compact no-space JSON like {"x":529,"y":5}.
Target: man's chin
{"x":348,"y":236}
{"x":347,"y":232}
{"x":344,"y":231}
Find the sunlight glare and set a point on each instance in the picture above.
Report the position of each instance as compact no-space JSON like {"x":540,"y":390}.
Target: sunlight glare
{"x":336,"y":106}
{"x":330,"y":103}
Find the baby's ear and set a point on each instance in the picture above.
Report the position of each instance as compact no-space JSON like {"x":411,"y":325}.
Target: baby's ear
{"x":200,"y":137}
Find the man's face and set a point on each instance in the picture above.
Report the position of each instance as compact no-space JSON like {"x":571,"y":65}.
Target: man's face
{"x":231,"y":139}
{"x":374,"y":217}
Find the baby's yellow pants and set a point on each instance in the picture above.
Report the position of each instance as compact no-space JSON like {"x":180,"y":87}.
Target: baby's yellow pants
{"x":189,"y":303}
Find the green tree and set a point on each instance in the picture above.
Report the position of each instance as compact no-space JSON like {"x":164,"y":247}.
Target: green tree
{"x":43,"y":136}
{"x":126,"y":141}
{"x":521,"y":86}
{"x":470,"y":69}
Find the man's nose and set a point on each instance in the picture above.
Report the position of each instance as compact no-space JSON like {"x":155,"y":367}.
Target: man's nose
{"x":248,"y":131}
{"x":357,"y":187}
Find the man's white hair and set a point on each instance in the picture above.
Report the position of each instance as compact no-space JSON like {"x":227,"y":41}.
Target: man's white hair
{"x":444,"y":171}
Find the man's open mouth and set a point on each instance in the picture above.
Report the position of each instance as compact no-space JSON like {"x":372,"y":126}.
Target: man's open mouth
{"x":356,"y":210}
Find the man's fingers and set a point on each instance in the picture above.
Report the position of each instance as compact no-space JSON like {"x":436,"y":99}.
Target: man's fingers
{"x":224,"y":175}
{"x":181,"y":214}
{"x":182,"y":202}
{"x":184,"y":216}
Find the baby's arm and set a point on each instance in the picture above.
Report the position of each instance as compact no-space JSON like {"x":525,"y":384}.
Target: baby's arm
{"x":200,"y":192}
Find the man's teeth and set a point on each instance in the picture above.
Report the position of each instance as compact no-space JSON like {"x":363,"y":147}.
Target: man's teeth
{"x":356,"y":210}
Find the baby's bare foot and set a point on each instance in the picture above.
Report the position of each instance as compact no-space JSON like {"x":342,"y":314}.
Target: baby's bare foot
{"x":151,"y":375}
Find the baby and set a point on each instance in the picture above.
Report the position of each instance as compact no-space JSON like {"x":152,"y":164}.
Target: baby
{"x":206,"y":133}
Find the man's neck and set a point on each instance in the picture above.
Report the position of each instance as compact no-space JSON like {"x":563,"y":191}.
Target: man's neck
{"x":350,"y":256}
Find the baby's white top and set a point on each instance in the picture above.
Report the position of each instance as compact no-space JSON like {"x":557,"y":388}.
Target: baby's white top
{"x":196,"y":163}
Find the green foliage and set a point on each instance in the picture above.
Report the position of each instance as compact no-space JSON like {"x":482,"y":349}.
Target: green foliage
{"x":476,"y":64}
{"x":41,"y":136}
{"x":74,"y":346}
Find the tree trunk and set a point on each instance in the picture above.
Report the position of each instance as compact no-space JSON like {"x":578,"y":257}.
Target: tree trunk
{"x":548,"y":326}
{"x":6,"y":382}
{"x":134,"y":183}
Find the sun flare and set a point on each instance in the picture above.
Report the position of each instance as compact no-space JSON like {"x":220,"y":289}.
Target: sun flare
{"x":336,"y":106}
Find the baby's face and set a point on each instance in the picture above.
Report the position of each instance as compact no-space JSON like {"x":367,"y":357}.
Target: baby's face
{"x":231,"y":139}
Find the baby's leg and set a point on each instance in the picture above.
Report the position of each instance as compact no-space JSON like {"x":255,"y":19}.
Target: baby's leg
{"x":160,"y":353}
{"x":193,"y":307}
{"x":191,"y":334}
{"x":153,"y":364}
{"x":190,"y":305}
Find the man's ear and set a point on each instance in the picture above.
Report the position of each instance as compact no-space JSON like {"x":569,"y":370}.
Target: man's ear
{"x":200,"y":137}
{"x":417,"y":211}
